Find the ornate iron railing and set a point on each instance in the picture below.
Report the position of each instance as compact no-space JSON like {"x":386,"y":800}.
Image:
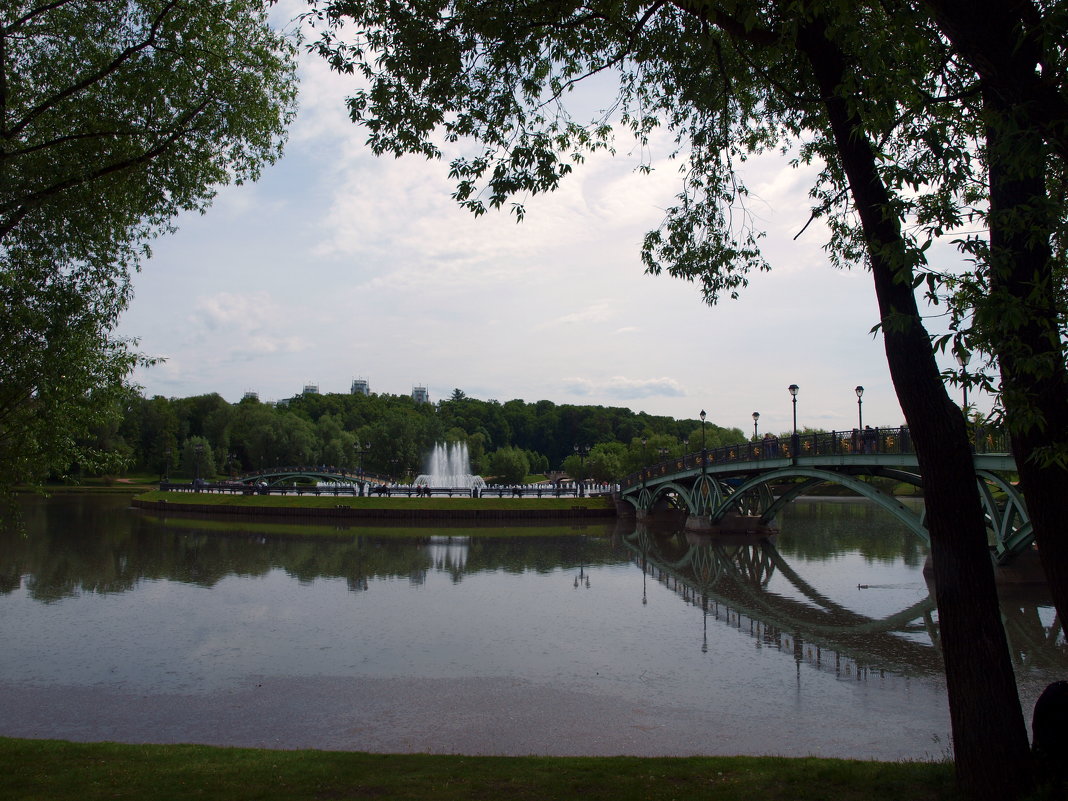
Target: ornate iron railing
{"x":858,"y":442}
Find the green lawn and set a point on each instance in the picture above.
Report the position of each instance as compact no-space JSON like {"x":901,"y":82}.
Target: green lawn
{"x":46,"y":770}
{"x":375,"y":502}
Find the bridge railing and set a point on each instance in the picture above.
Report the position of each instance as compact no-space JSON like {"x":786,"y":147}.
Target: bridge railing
{"x":395,"y":490}
{"x":238,"y":488}
{"x":857,"y":442}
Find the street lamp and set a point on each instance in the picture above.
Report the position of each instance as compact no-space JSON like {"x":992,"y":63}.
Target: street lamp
{"x":361,"y":449}
{"x":198,"y":449}
{"x":860,"y":407}
{"x":581,"y":451}
{"x":793,"y":441}
{"x":704,"y":451}
{"x":756,"y":417}
{"x":963,"y":357}
{"x":165,"y":476}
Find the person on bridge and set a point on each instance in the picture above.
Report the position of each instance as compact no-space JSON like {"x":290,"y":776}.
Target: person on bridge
{"x":870,"y":437}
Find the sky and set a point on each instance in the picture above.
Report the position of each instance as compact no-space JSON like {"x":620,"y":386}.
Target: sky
{"x":339,"y":265}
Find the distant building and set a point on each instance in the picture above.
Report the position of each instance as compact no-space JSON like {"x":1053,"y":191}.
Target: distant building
{"x":310,"y":389}
{"x":250,"y":395}
{"x":360,"y":387}
{"x":420,"y":395}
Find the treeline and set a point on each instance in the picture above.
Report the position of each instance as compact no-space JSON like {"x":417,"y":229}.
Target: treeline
{"x":392,"y":434}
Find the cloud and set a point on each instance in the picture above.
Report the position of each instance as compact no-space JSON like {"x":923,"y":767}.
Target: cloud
{"x":594,"y":312}
{"x":249,"y":325}
{"x":621,"y":388}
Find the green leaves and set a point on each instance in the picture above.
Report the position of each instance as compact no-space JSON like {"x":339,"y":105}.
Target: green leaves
{"x":114,"y":117}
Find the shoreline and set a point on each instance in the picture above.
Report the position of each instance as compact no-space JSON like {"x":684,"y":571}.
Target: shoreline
{"x":362,"y":508}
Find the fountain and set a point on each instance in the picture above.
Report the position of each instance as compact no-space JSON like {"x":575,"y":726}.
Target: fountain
{"x":449,"y":465}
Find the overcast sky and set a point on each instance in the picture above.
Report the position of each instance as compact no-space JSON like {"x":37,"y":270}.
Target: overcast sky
{"x":338,"y":265}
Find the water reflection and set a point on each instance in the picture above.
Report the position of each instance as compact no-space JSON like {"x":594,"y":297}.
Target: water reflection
{"x":758,"y":587}
{"x":779,"y":592}
{"x":76,"y":544}
{"x":627,"y":639}
{"x":729,"y":581}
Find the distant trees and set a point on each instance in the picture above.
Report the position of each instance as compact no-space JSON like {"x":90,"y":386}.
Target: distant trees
{"x":391,"y":435}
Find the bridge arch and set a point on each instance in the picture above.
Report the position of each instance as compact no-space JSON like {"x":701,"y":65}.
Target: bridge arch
{"x":816,"y":476}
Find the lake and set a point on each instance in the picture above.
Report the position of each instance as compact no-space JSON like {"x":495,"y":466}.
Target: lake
{"x":121,"y":625}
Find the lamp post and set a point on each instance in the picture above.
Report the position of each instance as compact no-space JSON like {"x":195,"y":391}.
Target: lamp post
{"x":361,"y":449}
{"x":198,"y":449}
{"x":704,"y":451}
{"x":793,"y":440}
{"x":756,"y":418}
{"x":581,"y":451}
{"x":860,"y":407}
{"x":165,"y":475}
{"x":963,"y":357}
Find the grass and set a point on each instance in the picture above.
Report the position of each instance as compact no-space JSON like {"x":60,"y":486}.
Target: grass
{"x":95,"y":485}
{"x":330,"y":502}
{"x":49,"y":770}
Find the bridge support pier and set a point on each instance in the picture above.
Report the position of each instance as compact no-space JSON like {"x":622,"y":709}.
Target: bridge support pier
{"x":731,"y":523}
{"x":1024,"y":570}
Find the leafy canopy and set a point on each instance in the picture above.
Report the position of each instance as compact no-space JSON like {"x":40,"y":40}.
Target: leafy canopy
{"x":487,"y":84}
{"x":115,"y":116}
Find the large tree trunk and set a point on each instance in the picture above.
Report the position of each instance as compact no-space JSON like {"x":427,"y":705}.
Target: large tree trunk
{"x":1027,"y":343}
{"x":989,"y":735}
{"x":1020,"y":317}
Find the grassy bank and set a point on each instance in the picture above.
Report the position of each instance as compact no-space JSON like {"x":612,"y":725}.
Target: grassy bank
{"x":47,"y":770}
{"x":209,"y":500}
{"x":97,"y":485}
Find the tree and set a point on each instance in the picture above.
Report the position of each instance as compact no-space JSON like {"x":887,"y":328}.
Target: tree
{"x":1019,"y":295}
{"x":60,"y":374}
{"x":198,"y":460}
{"x":114,"y":117}
{"x":509,"y":465}
{"x":844,"y":86}
{"x":606,"y":461}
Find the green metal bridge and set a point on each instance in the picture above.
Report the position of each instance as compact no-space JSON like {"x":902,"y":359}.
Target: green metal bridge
{"x":757,"y":479}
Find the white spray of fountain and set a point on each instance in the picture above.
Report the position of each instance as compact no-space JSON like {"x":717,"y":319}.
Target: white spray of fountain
{"x":449,"y":465}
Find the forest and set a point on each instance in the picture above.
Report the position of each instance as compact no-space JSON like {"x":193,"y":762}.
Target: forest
{"x":390,"y":435}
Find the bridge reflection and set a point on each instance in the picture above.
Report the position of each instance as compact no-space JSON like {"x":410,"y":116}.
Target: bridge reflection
{"x":728,"y":580}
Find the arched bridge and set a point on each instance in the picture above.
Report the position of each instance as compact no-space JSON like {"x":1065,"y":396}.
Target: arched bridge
{"x":757,"y":479}
{"x":281,"y":476}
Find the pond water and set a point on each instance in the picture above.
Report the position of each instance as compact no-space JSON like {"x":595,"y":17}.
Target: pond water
{"x":121,"y":625}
